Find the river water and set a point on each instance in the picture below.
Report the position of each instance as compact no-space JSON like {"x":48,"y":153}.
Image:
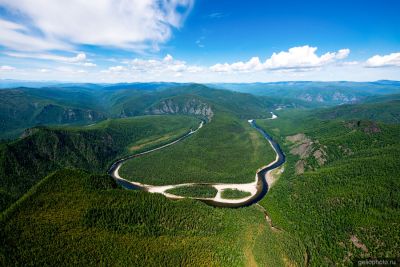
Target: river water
{"x":262,"y":185}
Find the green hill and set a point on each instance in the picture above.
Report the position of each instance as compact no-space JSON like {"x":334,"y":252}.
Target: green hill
{"x":336,"y":199}
{"x":43,"y":150}
{"x":317,"y":94}
{"x":243,"y":105}
{"x":66,"y":220}
{"x":339,"y":191}
{"x":23,"y":108}
{"x":386,"y":111}
{"x":225,"y":150}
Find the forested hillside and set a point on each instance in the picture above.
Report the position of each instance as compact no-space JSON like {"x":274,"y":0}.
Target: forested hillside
{"x":22,"y":108}
{"x":225,"y":150}
{"x":339,"y":192}
{"x":386,"y":111}
{"x":317,"y":94}
{"x":200,"y":133}
{"x":56,"y":104}
{"x":335,"y":199}
{"x":90,"y":222}
{"x":43,"y":150}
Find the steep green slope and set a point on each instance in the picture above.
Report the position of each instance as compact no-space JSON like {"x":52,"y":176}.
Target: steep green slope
{"x":242,"y":105}
{"x":339,"y":192}
{"x":84,"y":103}
{"x":23,"y":108}
{"x":184,"y":105}
{"x":66,"y":220}
{"x":337,"y":200}
{"x":25,"y":161}
{"x":382,"y":98}
{"x":225,"y":150}
{"x":387,"y":111}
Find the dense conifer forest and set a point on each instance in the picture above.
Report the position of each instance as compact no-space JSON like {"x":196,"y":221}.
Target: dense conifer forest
{"x":335,"y":199}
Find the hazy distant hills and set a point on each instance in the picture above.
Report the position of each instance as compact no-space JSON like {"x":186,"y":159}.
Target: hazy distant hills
{"x":24,"y":107}
{"x":49,"y":103}
{"x":318,"y":93}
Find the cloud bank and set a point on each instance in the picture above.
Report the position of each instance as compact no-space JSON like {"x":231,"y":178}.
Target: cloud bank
{"x":167,"y":65}
{"x":296,"y":58}
{"x":297,"y":63}
{"x":378,"y":61}
{"x":60,"y":24}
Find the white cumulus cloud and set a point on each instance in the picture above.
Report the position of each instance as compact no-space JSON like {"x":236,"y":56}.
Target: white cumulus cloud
{"x":114,"y":23}
{"x":342,"y":53}
{"x":251,"y":65}
{"x":167,"y":64}
{"x":302,"y":57}
{"x":377,"y":61}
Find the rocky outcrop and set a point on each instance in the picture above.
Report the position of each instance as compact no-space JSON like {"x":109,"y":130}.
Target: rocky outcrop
{"x":51,"y":114}
{"x":189,"y":106}
{"x":368,"y":127}
{"x":306,"y":149}
{"x":334,"y":97}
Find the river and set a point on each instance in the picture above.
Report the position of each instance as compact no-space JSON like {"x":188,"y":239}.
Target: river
{"x":262,"y":185}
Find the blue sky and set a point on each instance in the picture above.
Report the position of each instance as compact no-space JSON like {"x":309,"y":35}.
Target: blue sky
{"x":199,"y":41}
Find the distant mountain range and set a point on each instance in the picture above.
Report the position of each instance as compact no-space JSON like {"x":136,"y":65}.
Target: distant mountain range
{"x":317,"y":93}
{"x":24,"y":107}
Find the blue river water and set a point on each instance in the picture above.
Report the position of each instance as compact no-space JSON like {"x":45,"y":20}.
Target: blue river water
{"x":262,"y":185}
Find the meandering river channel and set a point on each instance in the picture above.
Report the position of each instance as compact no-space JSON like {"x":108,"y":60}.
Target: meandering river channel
{"x":258,"y":188}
